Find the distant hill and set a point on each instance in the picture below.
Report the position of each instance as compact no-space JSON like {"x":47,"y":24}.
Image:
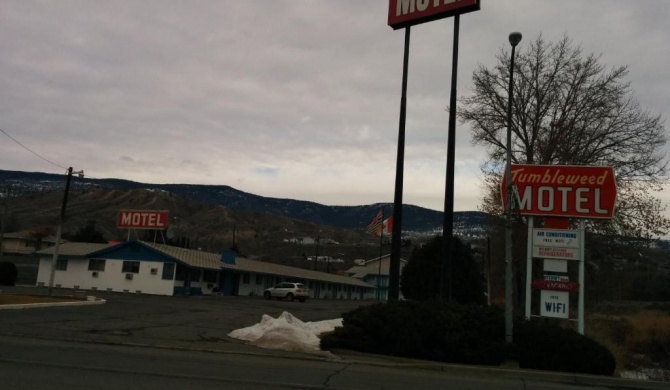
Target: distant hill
{"x":415,"y":218}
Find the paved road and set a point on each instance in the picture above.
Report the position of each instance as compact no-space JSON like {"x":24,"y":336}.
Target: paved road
{"x":166,"y":342}
{"x":44,"y":364}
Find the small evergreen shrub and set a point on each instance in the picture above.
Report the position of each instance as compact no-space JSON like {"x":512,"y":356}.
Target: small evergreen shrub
{"x":426,"y":329}
{"x":8,"y":273}
{"x":547,"y":346}
{"x":465,"y":334}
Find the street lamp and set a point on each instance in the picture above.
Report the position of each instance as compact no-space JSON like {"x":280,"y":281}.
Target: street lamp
{"x":514,"y":39}
{"x":54,"y":259}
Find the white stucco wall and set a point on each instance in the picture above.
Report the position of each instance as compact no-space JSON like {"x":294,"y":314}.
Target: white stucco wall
{"x":206,"y":287}
{"x":251,"y":288}
{"x":77,"y":276}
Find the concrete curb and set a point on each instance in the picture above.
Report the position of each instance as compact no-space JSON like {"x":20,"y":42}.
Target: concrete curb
{"x":97,"y":301}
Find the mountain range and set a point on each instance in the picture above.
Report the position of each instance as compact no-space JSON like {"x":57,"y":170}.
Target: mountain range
{"x":415,"y":218}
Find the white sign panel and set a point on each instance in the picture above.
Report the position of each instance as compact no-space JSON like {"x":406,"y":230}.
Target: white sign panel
{"x":551,"y":265}
{"x":557,"y":238}
{"x":555,"y":304}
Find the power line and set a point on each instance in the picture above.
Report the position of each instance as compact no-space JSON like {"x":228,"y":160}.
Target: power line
{"x":28,"y":149}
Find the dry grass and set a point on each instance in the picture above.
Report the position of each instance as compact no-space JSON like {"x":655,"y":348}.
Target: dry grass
{"x":607,"y":330}
{"x":630,"y":333}
{"x":648,"y":327}
{"x":26,"y":299}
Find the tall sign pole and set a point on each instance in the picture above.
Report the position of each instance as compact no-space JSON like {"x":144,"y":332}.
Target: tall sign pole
{"x":403,"y":14}
{"x":394,"y":265}
{"x":448,"y":224}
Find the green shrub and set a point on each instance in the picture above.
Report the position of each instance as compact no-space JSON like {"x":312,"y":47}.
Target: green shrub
{"x":465,"y":334}
{"x":420,"y":278}
{"x":8,"y":273}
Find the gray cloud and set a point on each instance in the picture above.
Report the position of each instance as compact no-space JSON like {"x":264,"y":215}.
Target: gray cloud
{"x":286,"y":98}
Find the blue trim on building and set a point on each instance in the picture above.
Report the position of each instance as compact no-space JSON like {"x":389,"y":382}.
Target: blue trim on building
{"x":133,"y":250}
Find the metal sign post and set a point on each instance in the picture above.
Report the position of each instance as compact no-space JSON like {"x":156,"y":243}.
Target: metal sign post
{"x":580,"y":313}
{"x":529,"y":267}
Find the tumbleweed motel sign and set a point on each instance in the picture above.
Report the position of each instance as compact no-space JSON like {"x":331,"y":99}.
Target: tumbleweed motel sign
{"x":558,"y":193}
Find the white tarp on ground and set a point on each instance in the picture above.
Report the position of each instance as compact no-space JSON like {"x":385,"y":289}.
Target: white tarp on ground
{"x":286,"y":332}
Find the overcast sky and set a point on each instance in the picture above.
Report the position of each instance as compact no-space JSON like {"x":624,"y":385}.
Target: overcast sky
{"x":284,"y":98}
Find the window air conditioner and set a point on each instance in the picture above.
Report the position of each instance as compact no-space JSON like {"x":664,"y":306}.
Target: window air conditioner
{"x":129,"y":276}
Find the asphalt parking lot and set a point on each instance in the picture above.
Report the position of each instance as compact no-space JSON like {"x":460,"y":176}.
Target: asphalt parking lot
{"x":191,"y":322}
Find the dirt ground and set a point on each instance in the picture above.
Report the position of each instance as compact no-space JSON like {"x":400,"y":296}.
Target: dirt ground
{"x":7,"y":299}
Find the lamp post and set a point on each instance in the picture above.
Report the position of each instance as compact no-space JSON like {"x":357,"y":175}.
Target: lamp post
{"x":514,"y":39}
{"x":54,"y":259}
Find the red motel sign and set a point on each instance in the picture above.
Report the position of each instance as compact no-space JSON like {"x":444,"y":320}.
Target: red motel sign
{"x":563,"y":190}
{"x":405,"y":13}
{"x":142,"y":219}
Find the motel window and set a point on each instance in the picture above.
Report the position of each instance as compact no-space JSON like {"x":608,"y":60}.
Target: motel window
{"x":246,"y":278}
{"x":259,"y":279}
{"x":96,"y":265}
{"x":181,"y":272}
{"x":168,"y":271}
{"x":131,"y":267}
{"x":61,"y":265}
{"x":209,"y":276}
{"x":195,"y":275}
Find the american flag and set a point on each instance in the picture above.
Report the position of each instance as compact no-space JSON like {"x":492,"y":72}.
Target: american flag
{"x":375,"y":226}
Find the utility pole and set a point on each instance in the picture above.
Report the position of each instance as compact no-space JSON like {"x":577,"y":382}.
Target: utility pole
{"x":54,"y":259}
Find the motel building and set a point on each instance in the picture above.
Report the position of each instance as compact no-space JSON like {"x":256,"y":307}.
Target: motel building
{"x":148,"y":268}
{"x":375,"y":272}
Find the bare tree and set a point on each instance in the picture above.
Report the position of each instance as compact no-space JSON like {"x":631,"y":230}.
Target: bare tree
{"x":569,"y":109}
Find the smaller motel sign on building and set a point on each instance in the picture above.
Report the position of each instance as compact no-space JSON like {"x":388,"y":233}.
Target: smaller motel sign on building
{"x":142,"y":219}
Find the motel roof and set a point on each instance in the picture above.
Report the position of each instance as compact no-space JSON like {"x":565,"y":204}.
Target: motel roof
{"x":202,"y":260}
